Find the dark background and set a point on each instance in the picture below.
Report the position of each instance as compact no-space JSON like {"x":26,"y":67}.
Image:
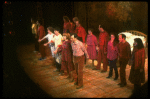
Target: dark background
{"x":15,"y":81}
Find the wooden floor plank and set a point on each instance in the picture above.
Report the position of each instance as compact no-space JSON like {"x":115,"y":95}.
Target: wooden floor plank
{"x":95,"y":83}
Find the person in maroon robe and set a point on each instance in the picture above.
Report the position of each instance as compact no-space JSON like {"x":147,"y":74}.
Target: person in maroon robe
{"x":68,"y":26}
{"x":137,"y":72}
{"x":91,"y":44}
{"x":124,"y":56}
{"x":102,"y":53}
{"x":41,"y":33}
{"x":67,"y":56}
{"x":80,"y":31}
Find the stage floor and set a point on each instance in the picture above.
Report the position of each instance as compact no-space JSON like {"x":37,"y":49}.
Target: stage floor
{"x":95,"y":84}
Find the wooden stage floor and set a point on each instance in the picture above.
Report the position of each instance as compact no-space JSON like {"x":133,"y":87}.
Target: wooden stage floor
{"x":96,"y":85}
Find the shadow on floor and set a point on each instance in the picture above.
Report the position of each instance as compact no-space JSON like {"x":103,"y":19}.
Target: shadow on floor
{"x":16,"y":83}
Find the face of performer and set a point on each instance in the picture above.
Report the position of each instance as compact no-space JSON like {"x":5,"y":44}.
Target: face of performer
{"x":135,"y":43}
{"x":64,"y":38}
{"x":72,"y":38}
{"x":74,"y":21}
{"x":89,"y":32}
{"x":64,"y":20}
{"x":77,"y":23}
{"x":38,"y":23}
{"x":120,"y":38}
{"x":112,"y":38}
{"x":56,"y":32}
{"x":49,"y":32}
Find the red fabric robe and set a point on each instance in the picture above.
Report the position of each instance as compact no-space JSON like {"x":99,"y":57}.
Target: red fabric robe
{"x":66,"y":27}
{"x":140,"y":59}
{"x":80,"y":31}
{"x":91,"y":46}
{"x":67,"y":56}
{"x":103,"y":42}
{"x":72,"y":27}
{"x":124,"y":51}
{"x":69,"y":26}
{"x":41,"y":33}
{"x":136,"y":76}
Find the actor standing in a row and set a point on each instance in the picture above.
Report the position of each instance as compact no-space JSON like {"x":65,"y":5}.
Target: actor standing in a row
{"x":35,"y":34}
{"x":137,"y":72}
{"x":67,"y":56}
{"x":102,"y":53}
{"x":91,"y":44}
{"x":78,"y":59}
{"x":124,"y":56}
{"x":80,"y":31}
{"x":41,"y":33}
{"x":112,"y":56}
{"x":68,"y":25}
{"x":49,"y":36}
{"x":56,"y":41}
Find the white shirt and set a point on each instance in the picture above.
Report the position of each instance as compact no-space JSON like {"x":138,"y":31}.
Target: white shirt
{"x":57,"y":40}
{"x":49,"y":36}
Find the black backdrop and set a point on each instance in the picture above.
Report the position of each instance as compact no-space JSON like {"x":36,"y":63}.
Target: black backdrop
{"x":53,"y":13}
{"x":15,"y":81}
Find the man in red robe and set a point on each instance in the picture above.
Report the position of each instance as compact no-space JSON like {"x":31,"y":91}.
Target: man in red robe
{"x":80,"y":31}
{"x":41,"y":33}
{"x":68,"y":26}
{"x":124,"y":56}
{"x":102,"y":53}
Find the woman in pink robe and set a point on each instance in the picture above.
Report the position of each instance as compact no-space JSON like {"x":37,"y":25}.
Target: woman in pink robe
{"x":91,"y":43}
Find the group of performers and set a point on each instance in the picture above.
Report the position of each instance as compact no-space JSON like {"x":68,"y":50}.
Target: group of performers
{"x":70,"y":50}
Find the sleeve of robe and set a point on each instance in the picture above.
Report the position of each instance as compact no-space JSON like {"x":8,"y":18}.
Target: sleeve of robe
{"x":68,"y":25}
{"x":83,"y":33}
{"x":106,"y":42}
{"x":41,"y":32}
{"x":95,"y":41}
{"x":72,"y":27}
{"x":140,"y":59}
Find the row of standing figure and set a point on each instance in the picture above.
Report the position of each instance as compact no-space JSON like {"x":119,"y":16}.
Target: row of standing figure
{"x":74,"y":50}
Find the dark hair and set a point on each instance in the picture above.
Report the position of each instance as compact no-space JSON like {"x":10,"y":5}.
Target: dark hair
{"x":75,"y":19}
{"x":57,"y":29}
{"x":68,"y":31}
{"x":40,"y":21}
{"x":75,"y":35}
{"x":115,"y":42}
{"x":50,"y":28}
{"x":66,"y":18}
{"x":123,"y":36}
{"x":139,"y":43}
{"x":91,"y":29}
